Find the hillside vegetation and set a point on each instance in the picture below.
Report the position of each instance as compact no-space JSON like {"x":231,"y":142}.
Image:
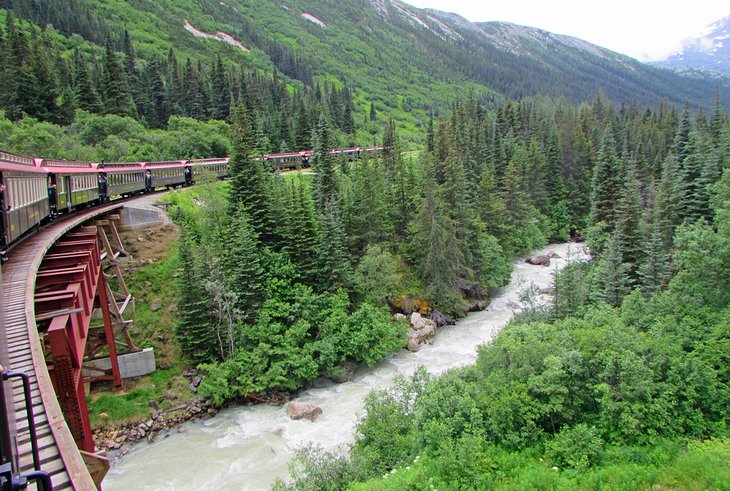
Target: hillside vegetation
{"x":362,"y":62}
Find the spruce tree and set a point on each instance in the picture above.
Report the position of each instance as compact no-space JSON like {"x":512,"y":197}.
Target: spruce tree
{"x":654,"y":271}
{"x":323,"y":164}
{"x":668,"y":199}
{"x":606,"y":184}
{"x":220,"y":91}
{"x":612,"y":275}
{"x":116,"y":95}
{"x":436,"y":249}
{"x":628,"y":225}
{"x":248,"y":177}
{"x":194,"y":330}
{"x":490,"y":205}
{"x":694,"y":202}
{"x":242,"y":267}
{"x":335,"y":269}
{"x":87,"y":97}
{"x":300,"y":240}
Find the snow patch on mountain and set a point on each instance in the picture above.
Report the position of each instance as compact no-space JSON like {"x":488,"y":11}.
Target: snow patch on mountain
{"x":380,"y":6}
{"x":708,"y":50}
{"x":446,"y":29}
{"x":314,"y":19}
{"x":218,"y":36}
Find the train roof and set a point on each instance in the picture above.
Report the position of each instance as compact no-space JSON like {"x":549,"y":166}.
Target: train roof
{"x":67,"y":166}
{"x":220,"y":160}
{"x":164,"y":163}
{"x":119,"y":166}
{"x":18,"y":163}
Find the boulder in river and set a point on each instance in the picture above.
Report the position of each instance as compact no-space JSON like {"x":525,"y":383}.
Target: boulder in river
{"x":477,"y":305}
{"x":538,"y":260}
{"x":299,"y":410}
{"x":421,"y":332}
{"x":553,"y":255}
{"x":442,"y":319}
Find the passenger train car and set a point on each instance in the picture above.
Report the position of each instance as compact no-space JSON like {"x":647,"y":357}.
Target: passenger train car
{"x":35,"y":190}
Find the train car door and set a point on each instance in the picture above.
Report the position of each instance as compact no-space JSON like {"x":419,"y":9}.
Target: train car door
{"x":52,"y":194}
{"x":3,"y":235}
{"x":69,"y":191}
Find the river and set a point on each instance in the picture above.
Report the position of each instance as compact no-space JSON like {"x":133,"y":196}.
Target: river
{"x":247,"y":448}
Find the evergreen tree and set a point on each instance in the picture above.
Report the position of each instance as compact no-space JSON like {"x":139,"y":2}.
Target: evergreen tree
{"x":242,"y":267}
{"x":300,"y":239}
{"x":220,"y":91}
{"x":116,"y":95}
{"x":248,"y":178}
{"x":194,"y":331}
{"x":694,"y":202}
{"x":325,"y":180}
{"x":606,"y":183}
{"x":628,"y":225}
{"x":490,"y":206}
{"x":373,"y":115}
{"x":654,"y":272}
{"x":435,"y":248}
{"x":612,"y":275}
{"x":87,"y":97}
{"x":335,"y":269}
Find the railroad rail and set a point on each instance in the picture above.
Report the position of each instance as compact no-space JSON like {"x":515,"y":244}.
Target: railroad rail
{"x":57,"y":449}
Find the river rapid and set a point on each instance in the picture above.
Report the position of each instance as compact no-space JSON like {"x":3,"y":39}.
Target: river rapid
{"x":249,"y":447}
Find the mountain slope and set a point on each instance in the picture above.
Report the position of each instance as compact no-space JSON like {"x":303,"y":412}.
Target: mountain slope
{"x":710,"y":50}
{"x":405,"y":60}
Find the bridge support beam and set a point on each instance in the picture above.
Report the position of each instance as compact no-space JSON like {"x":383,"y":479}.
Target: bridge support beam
{"x":70,"y":286}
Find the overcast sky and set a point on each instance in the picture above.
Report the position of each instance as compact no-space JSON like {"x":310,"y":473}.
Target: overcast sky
{"x":644,"y":29}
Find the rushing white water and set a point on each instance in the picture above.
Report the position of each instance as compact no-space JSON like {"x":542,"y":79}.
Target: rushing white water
{"x":249,"y":447}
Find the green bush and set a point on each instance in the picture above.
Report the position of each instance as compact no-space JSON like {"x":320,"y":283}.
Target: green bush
{"x":577,"y":447}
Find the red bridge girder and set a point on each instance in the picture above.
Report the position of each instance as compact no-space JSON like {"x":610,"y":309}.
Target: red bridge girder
{"x":69,"y":285}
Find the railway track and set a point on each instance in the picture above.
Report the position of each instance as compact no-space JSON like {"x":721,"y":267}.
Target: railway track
{"x":57,"y":450}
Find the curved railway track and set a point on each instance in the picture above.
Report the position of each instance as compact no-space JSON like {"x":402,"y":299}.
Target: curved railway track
{"x":59,"y":455}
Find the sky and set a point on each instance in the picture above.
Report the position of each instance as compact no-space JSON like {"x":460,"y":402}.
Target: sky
{"x":644,"y":29}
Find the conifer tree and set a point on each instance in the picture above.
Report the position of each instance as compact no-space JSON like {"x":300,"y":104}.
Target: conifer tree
{"x":612,"y":275}
{"x":628,"y":225}
{"x":44,"y":104}
{"x":301,"y":231}
{"x":667,"y":201}
{"x":517,"y":204}
{"x":335,"y":269}
{"x":116,"y":95}
{"x":220,"y":91}
{"x":490,"y":205}
{"x":436,"y":249}
{"x":695,"y":173}
{"x":248,"y":178}
{"x":654,"y":271}
{"x":242,"y":267}
{"x":194,"y":330}
{"x":156,"y":115}
{"x":606,"y":184}
{"x":87,"y":97}
{"x":325,"y":180}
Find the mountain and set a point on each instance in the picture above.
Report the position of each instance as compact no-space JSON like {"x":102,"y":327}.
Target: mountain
{"x":708,"y":51}
{"x":403,"y":60}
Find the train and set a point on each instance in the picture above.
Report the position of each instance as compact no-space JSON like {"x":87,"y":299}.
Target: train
{"x":36,"y":190}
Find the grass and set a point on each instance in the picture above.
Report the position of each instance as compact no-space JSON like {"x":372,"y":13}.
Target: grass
{"x":151,"y":284}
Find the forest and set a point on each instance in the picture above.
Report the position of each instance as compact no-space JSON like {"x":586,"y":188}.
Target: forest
{"x":621,"y":382}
